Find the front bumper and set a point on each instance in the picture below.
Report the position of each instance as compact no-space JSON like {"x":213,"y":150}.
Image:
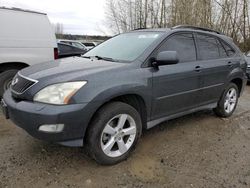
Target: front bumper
{"x":30,"y":116}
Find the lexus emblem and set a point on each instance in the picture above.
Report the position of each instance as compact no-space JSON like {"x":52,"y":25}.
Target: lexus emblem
{"x":14,"y":81}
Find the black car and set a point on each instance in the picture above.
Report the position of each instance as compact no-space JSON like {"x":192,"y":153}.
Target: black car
{"x":67,"y":50}
{"x":134,"y":81}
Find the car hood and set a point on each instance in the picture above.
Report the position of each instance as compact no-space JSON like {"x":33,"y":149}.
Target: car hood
{"x":68,"y":69}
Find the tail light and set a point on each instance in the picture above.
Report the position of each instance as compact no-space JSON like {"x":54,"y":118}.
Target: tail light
{"x":56,"y":56}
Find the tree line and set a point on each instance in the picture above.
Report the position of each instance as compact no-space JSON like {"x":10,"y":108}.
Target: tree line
{"x":230,"y":17}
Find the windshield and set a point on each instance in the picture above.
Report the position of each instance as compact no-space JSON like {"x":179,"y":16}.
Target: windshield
{"x":125,"y":47}
{"x":78,"y":45}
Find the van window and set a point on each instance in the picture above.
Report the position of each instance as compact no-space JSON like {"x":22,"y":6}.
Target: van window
{"x":208,"y":47}
{"x":183,"y":44}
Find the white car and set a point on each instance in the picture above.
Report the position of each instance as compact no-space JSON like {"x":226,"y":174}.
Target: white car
{"x":26,"y":38}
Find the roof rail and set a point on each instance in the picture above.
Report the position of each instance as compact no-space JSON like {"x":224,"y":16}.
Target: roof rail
{"x":196,"y":28}
{"x":23,"y":10}
{"x":139,"y":28}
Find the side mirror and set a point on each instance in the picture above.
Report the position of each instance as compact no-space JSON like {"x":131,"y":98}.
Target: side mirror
{"x":166,"y":58}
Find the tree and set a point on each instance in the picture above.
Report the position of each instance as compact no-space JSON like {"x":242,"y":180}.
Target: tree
{"x":59,"y":28}
{"x":231,"y":17}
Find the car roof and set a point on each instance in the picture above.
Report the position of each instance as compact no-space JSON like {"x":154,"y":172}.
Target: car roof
{"x":22,"y":10}
{"x":152,"y":30}
{"x":179,"y":27}
{"x":187,"y":28}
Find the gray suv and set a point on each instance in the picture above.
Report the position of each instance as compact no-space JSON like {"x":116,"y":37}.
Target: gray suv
{"x":134,"y":81}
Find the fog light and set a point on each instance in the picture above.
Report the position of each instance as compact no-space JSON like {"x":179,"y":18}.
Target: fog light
{"x":55,"y":128}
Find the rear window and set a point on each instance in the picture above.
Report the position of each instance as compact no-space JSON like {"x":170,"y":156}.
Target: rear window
{"x":209,"y":47}
{"x":223,"y":53}
{"x":229,"y":50}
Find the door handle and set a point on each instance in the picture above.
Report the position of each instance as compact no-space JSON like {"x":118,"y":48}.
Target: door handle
{"x":198,"y":69}
{"x":230,"y":64}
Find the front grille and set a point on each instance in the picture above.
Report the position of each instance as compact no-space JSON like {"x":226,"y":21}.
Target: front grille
{"x":20,"y":84}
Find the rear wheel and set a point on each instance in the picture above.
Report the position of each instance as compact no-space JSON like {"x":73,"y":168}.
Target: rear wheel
{"x":228,"y":101}
{"x":113,"y":133}
{"x":5,"y":80}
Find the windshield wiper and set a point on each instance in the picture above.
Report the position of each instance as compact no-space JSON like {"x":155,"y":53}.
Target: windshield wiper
{"x":104,"y":58}
{"x":88,"y":57}
{"x":100,"y":58}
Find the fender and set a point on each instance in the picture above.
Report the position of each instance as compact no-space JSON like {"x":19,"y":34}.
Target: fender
{"x":236,"y":73}
{"x":12,"y":65}
{"x":100,"y":98}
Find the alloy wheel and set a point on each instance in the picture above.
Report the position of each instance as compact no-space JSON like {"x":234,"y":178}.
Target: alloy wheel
{"x":230,"y":100}
{"x":118,"y":135}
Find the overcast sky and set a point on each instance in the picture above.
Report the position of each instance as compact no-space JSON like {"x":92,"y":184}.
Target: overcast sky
{"x":77,"y":16}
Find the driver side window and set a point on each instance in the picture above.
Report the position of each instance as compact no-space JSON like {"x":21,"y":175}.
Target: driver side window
{"x":183,"y":44}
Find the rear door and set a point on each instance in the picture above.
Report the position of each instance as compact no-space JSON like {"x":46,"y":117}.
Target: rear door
{"x":216,"y":61}
{"x":176,"y":87}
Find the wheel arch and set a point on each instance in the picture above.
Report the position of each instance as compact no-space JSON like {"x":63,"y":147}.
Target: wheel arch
{"x":239,"y":82}
{"x":135,"y":100}
{"x":12,"y":65}
{"x":237,"y":76}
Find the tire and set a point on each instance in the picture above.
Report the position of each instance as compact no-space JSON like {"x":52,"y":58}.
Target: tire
{"x":222,"y":110}
{"x":97,"y":140}
{"x":5,"y":80}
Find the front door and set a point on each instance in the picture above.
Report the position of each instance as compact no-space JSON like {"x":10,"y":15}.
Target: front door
{"x":176,"y":87}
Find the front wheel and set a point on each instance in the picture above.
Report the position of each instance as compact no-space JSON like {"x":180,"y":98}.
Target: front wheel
{"x":228,"y":102}
{"x":113,"y":133}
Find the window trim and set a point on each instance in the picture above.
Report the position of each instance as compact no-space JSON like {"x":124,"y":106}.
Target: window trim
{"x":147,"y":62}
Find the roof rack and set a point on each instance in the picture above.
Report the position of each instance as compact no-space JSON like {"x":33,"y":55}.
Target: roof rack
{"x":140,"y":28}
{"x":23,"y":10}
{"x":196,"y":28}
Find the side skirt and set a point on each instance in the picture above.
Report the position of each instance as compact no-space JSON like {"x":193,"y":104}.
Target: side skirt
{"x":155,"y":122}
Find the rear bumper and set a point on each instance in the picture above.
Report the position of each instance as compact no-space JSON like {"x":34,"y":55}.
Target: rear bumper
{"x":30,"y":116}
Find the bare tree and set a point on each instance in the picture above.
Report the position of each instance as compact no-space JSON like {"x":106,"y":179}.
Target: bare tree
{"x":58,"y":28}
{"x":228,"y":16}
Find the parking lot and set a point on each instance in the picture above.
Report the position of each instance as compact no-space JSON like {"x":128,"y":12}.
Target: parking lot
{"x":198,"y":150}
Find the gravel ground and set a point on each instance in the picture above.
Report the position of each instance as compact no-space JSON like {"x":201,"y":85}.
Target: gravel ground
{"x":198,"y":150}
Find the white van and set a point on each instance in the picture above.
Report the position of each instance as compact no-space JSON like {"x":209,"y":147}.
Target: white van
{"x":26,"y":38}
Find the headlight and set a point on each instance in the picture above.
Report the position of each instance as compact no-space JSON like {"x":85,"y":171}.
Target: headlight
{"x":58,"y":93}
